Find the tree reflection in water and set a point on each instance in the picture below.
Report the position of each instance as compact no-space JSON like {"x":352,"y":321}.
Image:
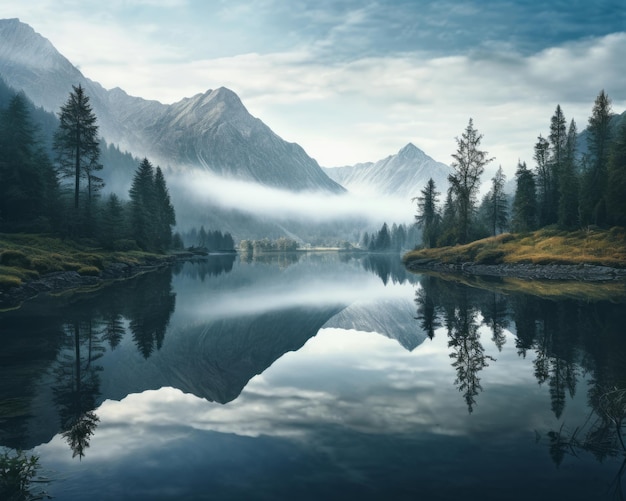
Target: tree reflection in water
{"x":569,"y":338}
{"x":77,"y":384}
{"x":145,"y":306}
{"x":602,"y":434}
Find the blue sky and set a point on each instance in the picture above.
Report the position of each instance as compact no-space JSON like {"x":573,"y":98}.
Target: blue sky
{"x":355,"y":81}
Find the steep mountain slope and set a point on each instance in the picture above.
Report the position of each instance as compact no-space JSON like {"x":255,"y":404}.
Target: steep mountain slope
{"x":213,"y":130}
{"x":403,"y":174}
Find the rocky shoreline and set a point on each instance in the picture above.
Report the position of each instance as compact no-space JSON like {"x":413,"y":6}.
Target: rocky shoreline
{"x":63,"y":281}
{"x":529,"y":271}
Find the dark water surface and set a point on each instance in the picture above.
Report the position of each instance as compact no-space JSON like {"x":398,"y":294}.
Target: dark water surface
{"x":315,"y":377}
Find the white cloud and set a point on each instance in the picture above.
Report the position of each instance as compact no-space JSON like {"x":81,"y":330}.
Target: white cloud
{"x":368,"y":108}
{"x":359,"y":107}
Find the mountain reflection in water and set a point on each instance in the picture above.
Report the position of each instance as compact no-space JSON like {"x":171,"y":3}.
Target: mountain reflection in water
{"x":315,"y":375}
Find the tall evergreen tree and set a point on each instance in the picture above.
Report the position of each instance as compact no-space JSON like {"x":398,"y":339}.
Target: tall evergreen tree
{"x":427,"y":217}
{"x":165,"y":218}
{"x":76,"y":141}
{"x":26,"y":177}
{"x":112,"y":226}
{"x":568,"y":185}
{"x":449,"y":221}
{"x":468,"y":165}
{"x":525,"y":202}
{"x":143,"y":206}
{"x":558,"y":140}
{"x":545,"y":181}
{"x":616,"y":190}
{"x":593,"y":208}
{"x":381,"y":242}
{"x":498,"y":205}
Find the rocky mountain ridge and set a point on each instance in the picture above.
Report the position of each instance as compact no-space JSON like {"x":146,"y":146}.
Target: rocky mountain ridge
{"x":212,"y":131}
{"x":402,"y":175}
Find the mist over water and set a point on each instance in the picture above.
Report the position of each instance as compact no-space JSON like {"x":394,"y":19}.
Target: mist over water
{"x":205,"y":189}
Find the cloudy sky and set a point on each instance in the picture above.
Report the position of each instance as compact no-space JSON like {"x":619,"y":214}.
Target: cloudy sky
{"x":356,"y":80}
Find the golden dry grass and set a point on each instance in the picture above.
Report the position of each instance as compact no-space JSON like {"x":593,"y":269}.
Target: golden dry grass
{"x":547,"y":246}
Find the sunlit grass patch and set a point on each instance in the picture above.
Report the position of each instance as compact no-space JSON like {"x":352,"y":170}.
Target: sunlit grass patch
{"x":546,"y":246}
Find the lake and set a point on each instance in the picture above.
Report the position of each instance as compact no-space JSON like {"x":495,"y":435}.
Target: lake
{"x":316,"y":376}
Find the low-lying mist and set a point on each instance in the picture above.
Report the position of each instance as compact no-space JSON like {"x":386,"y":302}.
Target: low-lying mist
{"x":204,"y":190}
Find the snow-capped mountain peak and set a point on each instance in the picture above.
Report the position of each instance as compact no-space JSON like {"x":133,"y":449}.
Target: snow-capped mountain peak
{"x":403,"y":175}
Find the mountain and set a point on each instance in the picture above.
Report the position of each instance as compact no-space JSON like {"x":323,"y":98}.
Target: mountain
{"x":386,"y":317}
{"x":403,"y":175}
{"x":212,"y":131}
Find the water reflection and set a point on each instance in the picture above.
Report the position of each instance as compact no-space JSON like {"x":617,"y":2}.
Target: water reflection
{"x":77,"y":384}
{"x":325,"y":363}
{"x":601,"y":434}
{"x":557,"y":332}
{"x":53,"y":356}
{"x":569,"y":339}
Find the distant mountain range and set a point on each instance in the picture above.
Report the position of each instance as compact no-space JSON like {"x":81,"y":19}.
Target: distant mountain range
{"x":403,"y":175}
{"x":213,"y":130}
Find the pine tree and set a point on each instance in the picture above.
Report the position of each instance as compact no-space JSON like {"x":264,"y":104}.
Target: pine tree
{"x":525,"y":202}
{"x":382,"y":242}
{"x":76,"y":142}
{"x":449,"y":222}
{"x":164,"y":216}
{"x":398,"y":237}
{"x":143,"y":206}
{"x":27,"y":180}
{"x":558,"y":140}
{"x":202,"y":237}
{"x":427,"y":217}
{"x":568,"y":185}
{"x":616,"y":190}
{"x":593,"y":208}
{"x":469,"y":164}
{"x":545,"y":181}
{"x":498,"y":205}
{"x":112,"y":225}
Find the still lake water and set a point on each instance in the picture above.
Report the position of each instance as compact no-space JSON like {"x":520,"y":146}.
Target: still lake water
{"x":315,"y":376}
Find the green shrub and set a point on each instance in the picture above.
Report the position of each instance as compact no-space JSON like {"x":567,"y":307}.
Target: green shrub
{"x":12,"y":257}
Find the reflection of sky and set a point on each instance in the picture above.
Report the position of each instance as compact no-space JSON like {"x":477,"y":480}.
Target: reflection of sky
{"x":361,"y":380}
{"x":346,"y":404}
{"x":351,"y":414}
{"x":302,"y":284}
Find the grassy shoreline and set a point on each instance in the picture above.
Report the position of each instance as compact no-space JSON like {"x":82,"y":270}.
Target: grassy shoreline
{"x":596,"y":247}
{"x":27,"y":257}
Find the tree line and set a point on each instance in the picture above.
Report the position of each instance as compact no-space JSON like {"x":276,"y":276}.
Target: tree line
{"x":57,"y":188}
{"x":567,"y":188}
{"x":387,"y":239}
{"x":211,"y":240}
{"x":282,"y":244}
